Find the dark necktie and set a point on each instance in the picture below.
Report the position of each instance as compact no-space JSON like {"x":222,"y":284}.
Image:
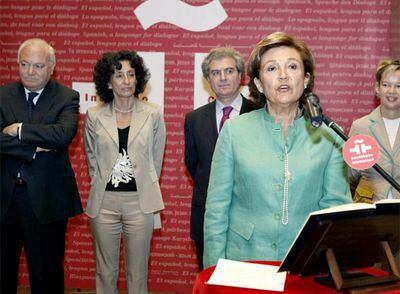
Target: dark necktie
{"x":31,"y":105}
{"x":226,"y":112}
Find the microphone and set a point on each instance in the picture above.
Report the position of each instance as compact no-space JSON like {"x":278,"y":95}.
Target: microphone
{"x":314,"y":109}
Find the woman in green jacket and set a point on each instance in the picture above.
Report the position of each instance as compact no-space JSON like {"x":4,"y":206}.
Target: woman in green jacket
{"x":270,"y":167}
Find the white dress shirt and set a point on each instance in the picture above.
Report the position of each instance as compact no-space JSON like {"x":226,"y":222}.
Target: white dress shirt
{"x":236,"y":104}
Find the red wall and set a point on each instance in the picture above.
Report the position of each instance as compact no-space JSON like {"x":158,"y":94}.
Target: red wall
{"x":348,"y":38}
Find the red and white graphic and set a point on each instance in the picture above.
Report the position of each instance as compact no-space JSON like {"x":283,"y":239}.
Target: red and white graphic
{"x":191,"y":18}
{"x":361,"y":152}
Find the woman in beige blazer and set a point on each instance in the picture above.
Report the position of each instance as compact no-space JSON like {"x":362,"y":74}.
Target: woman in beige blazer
{"x":382,"y":124}
{"x":124,"y":143}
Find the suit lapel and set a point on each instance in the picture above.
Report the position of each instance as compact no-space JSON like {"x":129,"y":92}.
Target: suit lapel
{"x":139,"y":117}
{"x":210,"y":118}
{"x":108,"y":120}
{"x":378,"y":130}
{"x":245,"y":105}
{"x":44,"y":103}
{"x":210,"y":122}
{"x":19,"y":104}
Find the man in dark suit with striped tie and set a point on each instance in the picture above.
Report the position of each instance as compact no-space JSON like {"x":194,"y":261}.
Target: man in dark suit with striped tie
{"x":38,"y":120}
{"x":223,"y":68}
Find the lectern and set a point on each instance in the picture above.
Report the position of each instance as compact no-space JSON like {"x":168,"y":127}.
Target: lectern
{"x":350,"y":237}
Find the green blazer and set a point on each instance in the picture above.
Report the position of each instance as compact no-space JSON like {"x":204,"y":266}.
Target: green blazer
{"x":243,"y":219}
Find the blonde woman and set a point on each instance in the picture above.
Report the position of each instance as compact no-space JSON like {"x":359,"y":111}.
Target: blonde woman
{"x":382,"y":124}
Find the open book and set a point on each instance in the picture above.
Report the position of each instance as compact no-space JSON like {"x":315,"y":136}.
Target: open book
{"x":354,"y":231}
{"x":355,"y":206}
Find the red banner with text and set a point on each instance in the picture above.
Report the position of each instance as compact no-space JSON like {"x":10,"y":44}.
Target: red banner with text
{"x":348,"y":38}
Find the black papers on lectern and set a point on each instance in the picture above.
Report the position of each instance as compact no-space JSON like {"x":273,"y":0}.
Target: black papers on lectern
{"x":353,"y":231}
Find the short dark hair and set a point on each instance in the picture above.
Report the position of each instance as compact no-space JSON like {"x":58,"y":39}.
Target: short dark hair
{"x":386,"y":65}
{"x":274,"y":40}
{"x":106,"y":66}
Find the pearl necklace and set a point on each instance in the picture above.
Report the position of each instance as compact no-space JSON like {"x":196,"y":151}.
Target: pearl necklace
{"x":122,"y":111}
{"x":285,"y":201}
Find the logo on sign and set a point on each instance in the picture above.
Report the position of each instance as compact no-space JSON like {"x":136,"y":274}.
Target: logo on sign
{"x":176,"y":12}
{"x":361,"y":152}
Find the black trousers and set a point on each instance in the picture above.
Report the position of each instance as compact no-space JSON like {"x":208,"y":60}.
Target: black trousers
{"x":44,"y":246}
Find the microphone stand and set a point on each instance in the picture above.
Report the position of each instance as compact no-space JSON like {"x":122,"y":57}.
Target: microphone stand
{"x":330,"y":123}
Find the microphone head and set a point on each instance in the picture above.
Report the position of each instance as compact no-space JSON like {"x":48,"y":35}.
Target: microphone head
{"x":313,"y":109}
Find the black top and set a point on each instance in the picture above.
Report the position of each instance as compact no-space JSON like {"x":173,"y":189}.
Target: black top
{"x":122,"y":178}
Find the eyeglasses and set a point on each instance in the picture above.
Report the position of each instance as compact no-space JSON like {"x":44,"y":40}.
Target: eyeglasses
{"x":36,"y":66}
{"x":216,"y":73}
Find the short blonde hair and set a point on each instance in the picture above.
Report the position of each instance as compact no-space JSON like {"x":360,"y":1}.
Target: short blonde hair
{"x":386,"y":65}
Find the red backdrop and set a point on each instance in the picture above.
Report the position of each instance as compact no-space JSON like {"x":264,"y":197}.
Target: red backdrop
{"x":348,"y":38}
